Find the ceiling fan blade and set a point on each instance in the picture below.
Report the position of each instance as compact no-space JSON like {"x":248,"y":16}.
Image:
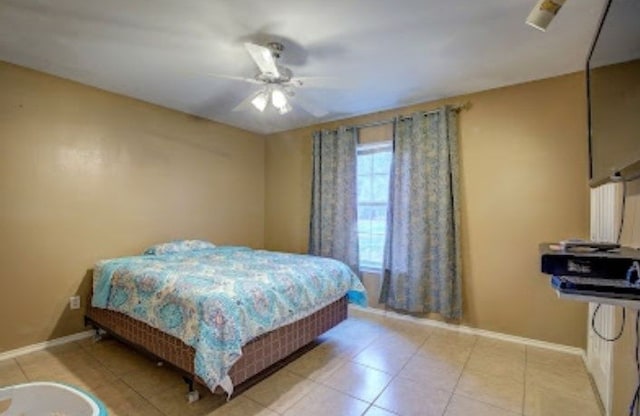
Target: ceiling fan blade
{"x":263,"y":58}
{"x":321,"y":82}
{"x":222,"y":76}
{"x":233,"y":78}
{"x":310,"y":107}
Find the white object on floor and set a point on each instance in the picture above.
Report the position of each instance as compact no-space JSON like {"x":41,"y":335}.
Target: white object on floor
{"x":193,"y":396}
{"x":46,"y":398}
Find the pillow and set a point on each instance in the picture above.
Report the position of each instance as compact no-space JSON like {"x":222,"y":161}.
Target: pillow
{"x":178,"y":246}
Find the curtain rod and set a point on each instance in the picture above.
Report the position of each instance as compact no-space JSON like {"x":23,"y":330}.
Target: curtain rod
{"x":459,"y":107}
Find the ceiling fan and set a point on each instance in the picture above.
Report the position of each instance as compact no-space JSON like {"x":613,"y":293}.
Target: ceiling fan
{"x":277,"y":83}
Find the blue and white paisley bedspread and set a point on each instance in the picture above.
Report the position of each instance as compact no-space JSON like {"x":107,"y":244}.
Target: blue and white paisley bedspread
{"x":217,"y":300}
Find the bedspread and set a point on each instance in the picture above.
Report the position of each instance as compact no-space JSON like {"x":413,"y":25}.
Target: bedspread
{"x":219,"y":299}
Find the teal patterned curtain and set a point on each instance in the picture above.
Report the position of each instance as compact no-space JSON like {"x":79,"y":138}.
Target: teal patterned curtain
{"x":334,"y":207}
{"x":422,"y":267}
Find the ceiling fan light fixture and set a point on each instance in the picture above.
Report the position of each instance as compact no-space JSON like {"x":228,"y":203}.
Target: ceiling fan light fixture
{"x":285,"y":109}
{"x":543,"y":13}
{"x":260,"y":101}
{"x":279,"y":100}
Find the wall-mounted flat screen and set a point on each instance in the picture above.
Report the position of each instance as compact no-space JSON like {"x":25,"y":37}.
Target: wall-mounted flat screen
{"x":613,"y":78}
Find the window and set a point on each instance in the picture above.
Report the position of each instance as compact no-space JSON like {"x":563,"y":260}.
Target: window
{"x":374,"y":166}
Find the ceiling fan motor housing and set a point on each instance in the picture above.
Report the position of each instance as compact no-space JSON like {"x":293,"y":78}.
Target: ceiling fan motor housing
{"x":285,"y":73}
{"x":276,"y":48}
{"x":285,"y":76}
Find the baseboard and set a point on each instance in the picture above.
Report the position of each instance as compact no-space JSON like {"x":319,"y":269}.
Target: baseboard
{"x":43,"y":345}
{"x":475,"y":331}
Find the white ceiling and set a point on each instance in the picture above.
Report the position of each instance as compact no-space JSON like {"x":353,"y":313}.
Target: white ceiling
{"x":382,"y":53}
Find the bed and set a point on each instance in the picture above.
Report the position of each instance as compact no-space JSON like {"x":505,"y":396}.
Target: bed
{"x":220,"y":314}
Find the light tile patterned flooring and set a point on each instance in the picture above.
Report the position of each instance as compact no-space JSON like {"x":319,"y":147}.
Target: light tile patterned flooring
{"x":370,"y":364}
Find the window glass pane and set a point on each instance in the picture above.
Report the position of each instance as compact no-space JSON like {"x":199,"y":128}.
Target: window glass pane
{"x":365,"y":185}
{"x":368,"y":256}
{"x":378,"y":219}
{"x":364,"y":225}
{"x":365,"y":213}
{"x":365,"y":164}
{"x":380,"y":185}
{"x":382,"y":162}
{"x":364,"y":243}
{"x":379,"y":226}
{"x":377,"y":247}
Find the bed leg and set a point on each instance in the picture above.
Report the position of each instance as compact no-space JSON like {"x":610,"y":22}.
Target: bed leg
{"x":97,"y":336}
{"x":192,"y":395}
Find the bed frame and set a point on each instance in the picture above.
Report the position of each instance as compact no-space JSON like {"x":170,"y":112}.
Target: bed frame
{"x":258,"y":355}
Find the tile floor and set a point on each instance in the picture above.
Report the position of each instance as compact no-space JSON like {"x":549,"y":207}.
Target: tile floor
{"x":369,"y":365}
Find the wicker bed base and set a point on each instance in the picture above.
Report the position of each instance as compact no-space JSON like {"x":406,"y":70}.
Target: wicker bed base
{"x":259,"y":354}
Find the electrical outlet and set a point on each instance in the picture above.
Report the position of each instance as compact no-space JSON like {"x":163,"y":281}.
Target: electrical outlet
{"x":74,"y":302}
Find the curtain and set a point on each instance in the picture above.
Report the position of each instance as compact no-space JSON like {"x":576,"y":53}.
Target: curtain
{"x":422,"y":267}
{"x":334,"y":209}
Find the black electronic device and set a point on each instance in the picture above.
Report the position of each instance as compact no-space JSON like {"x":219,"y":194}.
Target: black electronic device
{"x":590,"y":286}
{"x":589,"y":245}
{"x":583,"y":262}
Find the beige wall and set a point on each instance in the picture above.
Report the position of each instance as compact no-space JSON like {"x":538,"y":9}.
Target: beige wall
{"x":625,"y":376}
{"x":87,"y":175}
{"x":524,"y":180}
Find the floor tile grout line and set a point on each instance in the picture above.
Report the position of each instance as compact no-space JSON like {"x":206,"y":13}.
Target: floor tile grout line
{"x":492,"y":404}
{"x":321,"y":384}
{"x":146,"y":399}
{"x":379,"y":407}
{"x":120,"y":377}
{"x":371,"y":367}
{"x":487,"y":403}
{"x":367,"y":409}
{"x":315,"y":382}
{"x":103,"y":364}
{"x":592,"y":389}
{"x":261,"y":405}
{"x":524,"y":393}
{"x":99,"y":364}
{"x":348,"y":360}
{"x":453,"y":391}
{"x":24,"y":374}
{"x":397,"y":374}
{"x":360,"y":398}
{"x":414,"y":354}
{"x":286,"y":409}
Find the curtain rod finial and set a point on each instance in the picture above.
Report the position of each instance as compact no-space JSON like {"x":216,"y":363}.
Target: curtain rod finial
{"x":464,"y":106}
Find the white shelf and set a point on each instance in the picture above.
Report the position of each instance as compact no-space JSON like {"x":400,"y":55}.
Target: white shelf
{"x":626,"y":303}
